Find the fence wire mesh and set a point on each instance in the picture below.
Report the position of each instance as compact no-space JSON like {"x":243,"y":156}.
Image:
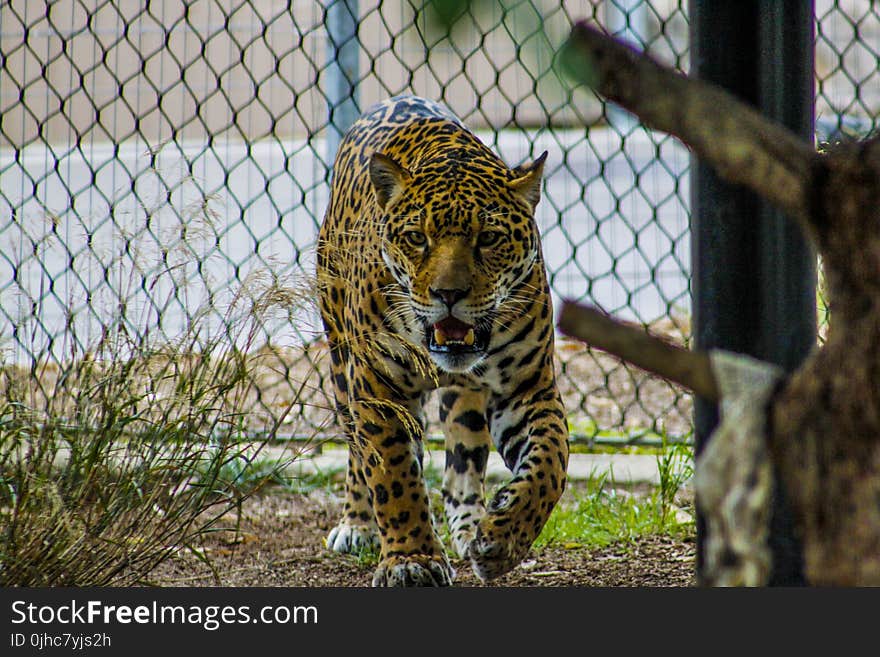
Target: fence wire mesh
{"x":164,"y":168}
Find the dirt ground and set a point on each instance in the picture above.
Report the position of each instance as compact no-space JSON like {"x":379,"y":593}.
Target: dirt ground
{"x":279,"y":543}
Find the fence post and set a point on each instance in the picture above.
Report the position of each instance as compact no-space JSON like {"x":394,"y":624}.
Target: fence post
{"x":753,"y":273}
{"x":342,"y":72}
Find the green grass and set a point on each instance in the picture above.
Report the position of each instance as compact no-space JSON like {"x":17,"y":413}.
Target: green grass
{"x":240,"y":475}
{"x":600,"y":516}
{"x":366,"y":556}
{"x":598,"y":513}
{"x":675,"y":466}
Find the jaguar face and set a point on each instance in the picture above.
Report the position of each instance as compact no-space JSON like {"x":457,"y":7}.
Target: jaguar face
{"x":459,"y":238}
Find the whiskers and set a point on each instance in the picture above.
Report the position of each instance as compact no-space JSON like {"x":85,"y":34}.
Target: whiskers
{"x":515,"y":304}
{"x":400,"y":310}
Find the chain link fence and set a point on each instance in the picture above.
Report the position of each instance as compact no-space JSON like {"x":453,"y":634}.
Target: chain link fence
{"x":162,"y":160}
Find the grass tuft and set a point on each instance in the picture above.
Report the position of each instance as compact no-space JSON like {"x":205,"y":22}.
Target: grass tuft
{"x":600,"y":513}
{"x":126,"y":452}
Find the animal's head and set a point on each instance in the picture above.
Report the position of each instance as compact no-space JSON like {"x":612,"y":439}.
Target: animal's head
{"x":460,"y":239}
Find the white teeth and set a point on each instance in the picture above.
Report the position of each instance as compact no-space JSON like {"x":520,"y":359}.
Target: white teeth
{"x":441,"y":339}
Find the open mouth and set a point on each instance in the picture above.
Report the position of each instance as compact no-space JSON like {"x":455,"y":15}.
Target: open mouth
{"x":451,"y":335}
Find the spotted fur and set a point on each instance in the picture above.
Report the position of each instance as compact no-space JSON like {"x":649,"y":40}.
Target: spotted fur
{"x":431,"y":277}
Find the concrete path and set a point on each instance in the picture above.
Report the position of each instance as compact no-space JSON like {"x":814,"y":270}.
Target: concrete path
{"x":620,"y":468}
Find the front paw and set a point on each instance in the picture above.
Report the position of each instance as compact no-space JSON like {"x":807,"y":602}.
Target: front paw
{"x":414,"y":570}
{"x":352,"y":539}
{"x":493,"y":552}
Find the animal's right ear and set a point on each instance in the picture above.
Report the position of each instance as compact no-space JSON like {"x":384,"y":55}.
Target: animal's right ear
{"x":388,"y":178}
{"x":528,"y":180}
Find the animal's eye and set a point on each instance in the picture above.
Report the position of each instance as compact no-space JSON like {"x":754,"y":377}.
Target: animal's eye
{"x":488,"y":238}
{"x":415,"y":238}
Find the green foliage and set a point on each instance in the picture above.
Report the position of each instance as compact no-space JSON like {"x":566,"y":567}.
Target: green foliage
{"x":570,"y":65}
{"x":601,"y":513}
{"x":367,"y":556}
{"x":239,"y":475}
{"x":675,"y":466}
{"x":445,"y":13}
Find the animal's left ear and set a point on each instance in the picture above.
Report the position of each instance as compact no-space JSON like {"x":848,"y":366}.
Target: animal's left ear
{"x":527,"y":180}
{"x":388,"y":178}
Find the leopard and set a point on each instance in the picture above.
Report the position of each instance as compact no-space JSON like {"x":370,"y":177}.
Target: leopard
{"x":431,"y":281}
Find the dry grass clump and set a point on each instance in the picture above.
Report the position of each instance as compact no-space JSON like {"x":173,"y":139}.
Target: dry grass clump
{"x":125,"y":453}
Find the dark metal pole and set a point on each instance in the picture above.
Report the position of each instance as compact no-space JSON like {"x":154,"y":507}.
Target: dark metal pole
{"x":753,"y":273}
{"x":342,"y":73}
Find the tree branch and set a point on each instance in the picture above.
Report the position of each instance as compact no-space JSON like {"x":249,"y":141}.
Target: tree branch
{"x":743,"y":146}
{"x":688,"y":368}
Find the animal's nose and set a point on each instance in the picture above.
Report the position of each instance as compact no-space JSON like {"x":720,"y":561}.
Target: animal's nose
{"x":449,"y":297}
